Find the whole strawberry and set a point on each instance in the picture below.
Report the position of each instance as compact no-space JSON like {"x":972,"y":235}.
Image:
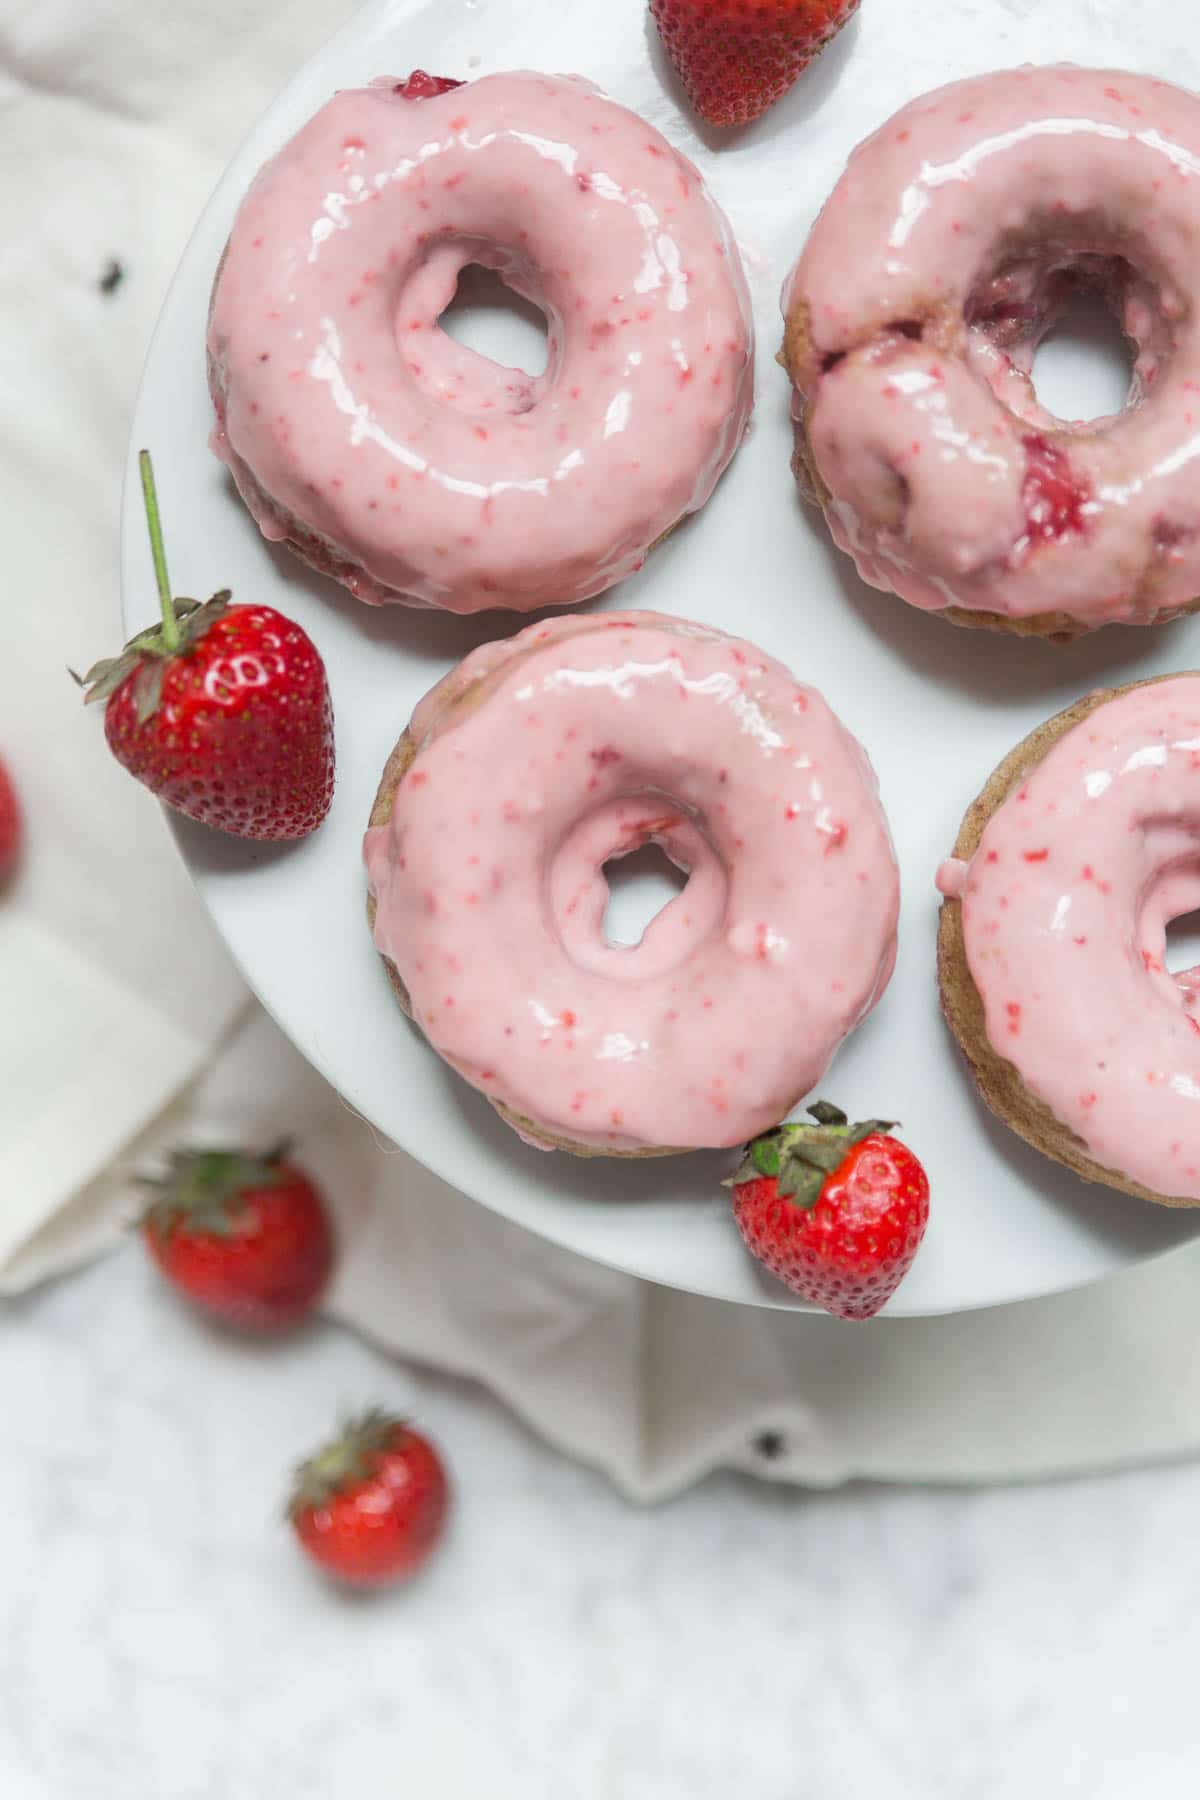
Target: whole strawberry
{"x":735,"y":58}
{"x":371,"y":1506}
{"x":11,"y":828}
{"x":246,"y":1238}
{"x":223,"y":711}
{"x":837,"y":1211}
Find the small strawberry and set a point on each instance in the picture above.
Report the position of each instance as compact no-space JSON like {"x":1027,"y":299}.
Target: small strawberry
{"x":223,"y":711}
{"x":11,"y":828}
{"x":246,"y":1238}
{"x":836,"y":1211}
{"x":420,"y":86}
{"x":371,"y":1506}
{"x":735,"y":58}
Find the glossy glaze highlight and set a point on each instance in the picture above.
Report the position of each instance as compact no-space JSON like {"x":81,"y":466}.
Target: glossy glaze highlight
{"x":951,"y":244}
{"x":401,"y":461}
{"x":1065,"y":906}
{"x":599,"y":735}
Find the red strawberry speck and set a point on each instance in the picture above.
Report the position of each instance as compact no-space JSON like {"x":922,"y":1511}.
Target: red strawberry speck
{"x":1055,"y":499}
{"x":420,"y":86}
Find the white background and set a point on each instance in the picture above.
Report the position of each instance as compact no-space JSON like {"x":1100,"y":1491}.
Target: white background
{"x":159,"y":1640}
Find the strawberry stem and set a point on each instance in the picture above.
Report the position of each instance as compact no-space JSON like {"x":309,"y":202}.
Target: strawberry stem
{"x":170,"y":624}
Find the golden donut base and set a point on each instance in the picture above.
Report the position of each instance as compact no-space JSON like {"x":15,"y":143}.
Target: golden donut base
{"x":997,"y":1080}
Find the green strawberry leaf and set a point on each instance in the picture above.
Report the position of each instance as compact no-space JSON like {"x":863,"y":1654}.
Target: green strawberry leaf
{"x":801,"y":1156}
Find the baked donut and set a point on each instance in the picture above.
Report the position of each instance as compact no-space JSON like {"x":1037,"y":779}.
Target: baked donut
{"x":948,"y":248}
{"x":538,"y":760}
{"x":1078,"y":853}
{"x":401,"y":462}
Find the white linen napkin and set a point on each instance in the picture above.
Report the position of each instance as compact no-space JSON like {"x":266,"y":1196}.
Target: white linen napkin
{"x":114,"y":987}
{"x":656,"y":1388}
{"x":125,"y":1027}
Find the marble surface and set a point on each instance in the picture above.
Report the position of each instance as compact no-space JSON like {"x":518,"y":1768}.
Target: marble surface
{"x":161,"y":1640}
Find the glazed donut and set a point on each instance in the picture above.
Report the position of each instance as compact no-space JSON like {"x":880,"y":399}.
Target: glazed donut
{"x":1082,"y":848}
{"x":539,"y":759}
{"x":950,"y":245}
{"x":399,"y":461}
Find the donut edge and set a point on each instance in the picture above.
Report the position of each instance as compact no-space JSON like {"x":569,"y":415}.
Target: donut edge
{"x":1051,"y":627}
{"x":397,"y":766}
{"x":315,"y":552}
{"x":330,"y":560}
{"x":999,"y":1084}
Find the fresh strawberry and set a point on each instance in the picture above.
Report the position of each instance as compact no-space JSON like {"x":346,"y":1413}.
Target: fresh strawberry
{"x":245,"y":1237}
{"x":420,"y":86}
{"x":735,"y":58}
{"x":223,"y":711}
{"x":371,"y":1506}
{"x":837,"y":1211}
{"x":11,"y":828}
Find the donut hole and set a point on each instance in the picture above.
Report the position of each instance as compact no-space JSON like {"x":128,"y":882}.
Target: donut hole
{"x":1084,"y":333}
{"x":1182,"y":951}
{"x":1083,"y":367}
{"x":636,"y":886}
{"x":490,"y":318}
{"x":640,"y":884}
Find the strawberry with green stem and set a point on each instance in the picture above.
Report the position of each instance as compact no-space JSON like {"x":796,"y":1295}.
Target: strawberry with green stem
{"x":244,"y":1237}
{"x":836,"y":1211}
{"x":370,"y":1507}
{"x":223,"y":711}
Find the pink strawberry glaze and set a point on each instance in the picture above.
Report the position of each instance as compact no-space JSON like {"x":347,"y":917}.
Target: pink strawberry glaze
{"x":428,"y":473}
{"x":1065,"y":909}
{"x":945,"y":252}
{"x":597,"y":735}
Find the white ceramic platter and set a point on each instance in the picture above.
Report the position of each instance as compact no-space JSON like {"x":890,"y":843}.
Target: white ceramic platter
{"x":936,"y":707}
